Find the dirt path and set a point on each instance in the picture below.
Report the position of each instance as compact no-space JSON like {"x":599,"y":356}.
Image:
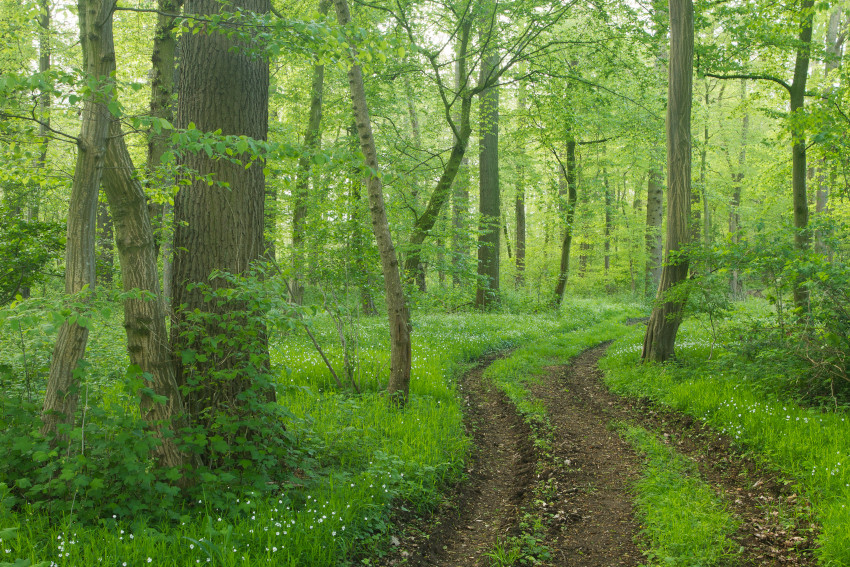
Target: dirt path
{"x":571,"y":500}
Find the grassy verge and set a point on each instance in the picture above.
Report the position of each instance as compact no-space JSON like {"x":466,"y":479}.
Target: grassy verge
{"x":811,"y":447}
{"x":364,"y":457}
{"x":683,"y":521}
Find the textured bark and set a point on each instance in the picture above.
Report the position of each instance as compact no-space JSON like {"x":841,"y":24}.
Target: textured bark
{"x":399,"y":317}
{"x":163,"y":67}
{"x":60,"y":398}
{"x":300,"y":196}
{"x":568,"y":207}
{"x":487,"y":289}
{"x":738,"y":180}
{"x":666,"y":317}
{"x":802,"y":238}
{"x":144,"y":319}
{"x":654,"y":238}
{"x":221,"y":87}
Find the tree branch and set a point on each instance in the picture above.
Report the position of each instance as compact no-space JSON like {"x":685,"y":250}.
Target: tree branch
{"x":776,"y":80}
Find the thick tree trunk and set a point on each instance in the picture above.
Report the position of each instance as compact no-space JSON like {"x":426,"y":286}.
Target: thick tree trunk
{"x":802,"y":238}
{"x":568,"y":177}
{"x":660,"y":339}
{"x":220,"y":227}
{"x":60,"y":398}
{"x":397,"y":312}
{"x":144,"y":319}
{"x":487,"y":290}
{"x":300,"y":196}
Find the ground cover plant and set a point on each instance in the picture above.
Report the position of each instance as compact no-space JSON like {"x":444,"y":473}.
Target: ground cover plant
{"x":808,"y":444}
{"x":358,"y":455}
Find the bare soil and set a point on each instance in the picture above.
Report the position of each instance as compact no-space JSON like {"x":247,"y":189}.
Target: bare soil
{"x":569,"y":497}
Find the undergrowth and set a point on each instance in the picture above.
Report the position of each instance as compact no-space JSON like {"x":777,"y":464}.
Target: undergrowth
{"x":811,"y":446}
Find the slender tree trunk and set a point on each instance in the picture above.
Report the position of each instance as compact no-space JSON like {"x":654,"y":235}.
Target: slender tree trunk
{"x":300,"y":196}
{"x":104,"y":244}
{"x":569,"y":177}
{"x":737,"y":187}
{"x":660,"y":340}
{"x":519,"y":208}
{"x":144,"y":319}
{"x":802,"y":238}
{"x":224,"y":87}
{"x":398,"y":314}
{"x":608,"y":219}
{"x":60,"y":398}
{"x":703,"y":169}
{"x":487,"y":290}
{"x":460,"y":183}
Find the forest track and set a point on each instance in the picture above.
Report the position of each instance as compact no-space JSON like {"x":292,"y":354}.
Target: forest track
{"x":579,"y":487}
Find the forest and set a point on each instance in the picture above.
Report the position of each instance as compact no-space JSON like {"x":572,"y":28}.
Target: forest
{"x":424,"y":282}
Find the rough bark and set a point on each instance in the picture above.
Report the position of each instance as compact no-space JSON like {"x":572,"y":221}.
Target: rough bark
{"x":219,"y":227}
{"x":654,"y":237}
{"x":568,"y":177}
{"x":312,"y":142}
{"x":487,"y":289}
{"x":144,"y":318}
{"x":60,"y":399}
{"x":398,"y":387}
{"x":666,"y":317}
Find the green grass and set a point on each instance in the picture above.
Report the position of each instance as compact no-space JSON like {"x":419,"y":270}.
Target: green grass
{"x":809,"y":446}
{"x":367,"y":457}
{"x":682,"y":520}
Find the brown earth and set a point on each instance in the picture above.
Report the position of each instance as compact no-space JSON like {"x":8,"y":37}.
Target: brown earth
{"x":567,"y":498}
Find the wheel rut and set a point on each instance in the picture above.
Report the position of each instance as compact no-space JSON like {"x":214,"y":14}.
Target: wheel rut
{"x":574,"y":492}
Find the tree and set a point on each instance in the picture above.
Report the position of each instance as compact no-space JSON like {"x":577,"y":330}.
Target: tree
{"x":487,"y":291}
{"x":568,"y":196}
{"x":397,"y":312}
{"x":666,"y":317}
{"x":95,"y":24}
{"x":219,"y":226}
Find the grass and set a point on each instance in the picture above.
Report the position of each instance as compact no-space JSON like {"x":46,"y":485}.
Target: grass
{"x":811,"y":447}
{"x":368,"y":457}
{"x":684,"y":522}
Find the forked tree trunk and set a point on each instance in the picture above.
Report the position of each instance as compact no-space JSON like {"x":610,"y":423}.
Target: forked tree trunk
{"x":144,"y":319}
{"x":60,"y":398}
{"x":397,"y":312}
{"x":487,"y":289}
{"x":660,"y":339}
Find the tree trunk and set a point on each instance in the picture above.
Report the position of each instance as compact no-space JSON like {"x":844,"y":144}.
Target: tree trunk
{"x":222,"y":87}
{"x":660,"y":339}
{"x":735,"y":204}
{"x":60,"y":398}
{"x":608,"y":220}
{"x":654,"y":220}
{"x":312,"y":142}
{"x":460,"y":183}
{"x":104,"y":244}
{"x":569,"y":177}
{"x":802,"y":238}
{"x":399,"y":317}
{"x":487,"y":290}
{"x":519,"y":207}
{"x":144,"y":319}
